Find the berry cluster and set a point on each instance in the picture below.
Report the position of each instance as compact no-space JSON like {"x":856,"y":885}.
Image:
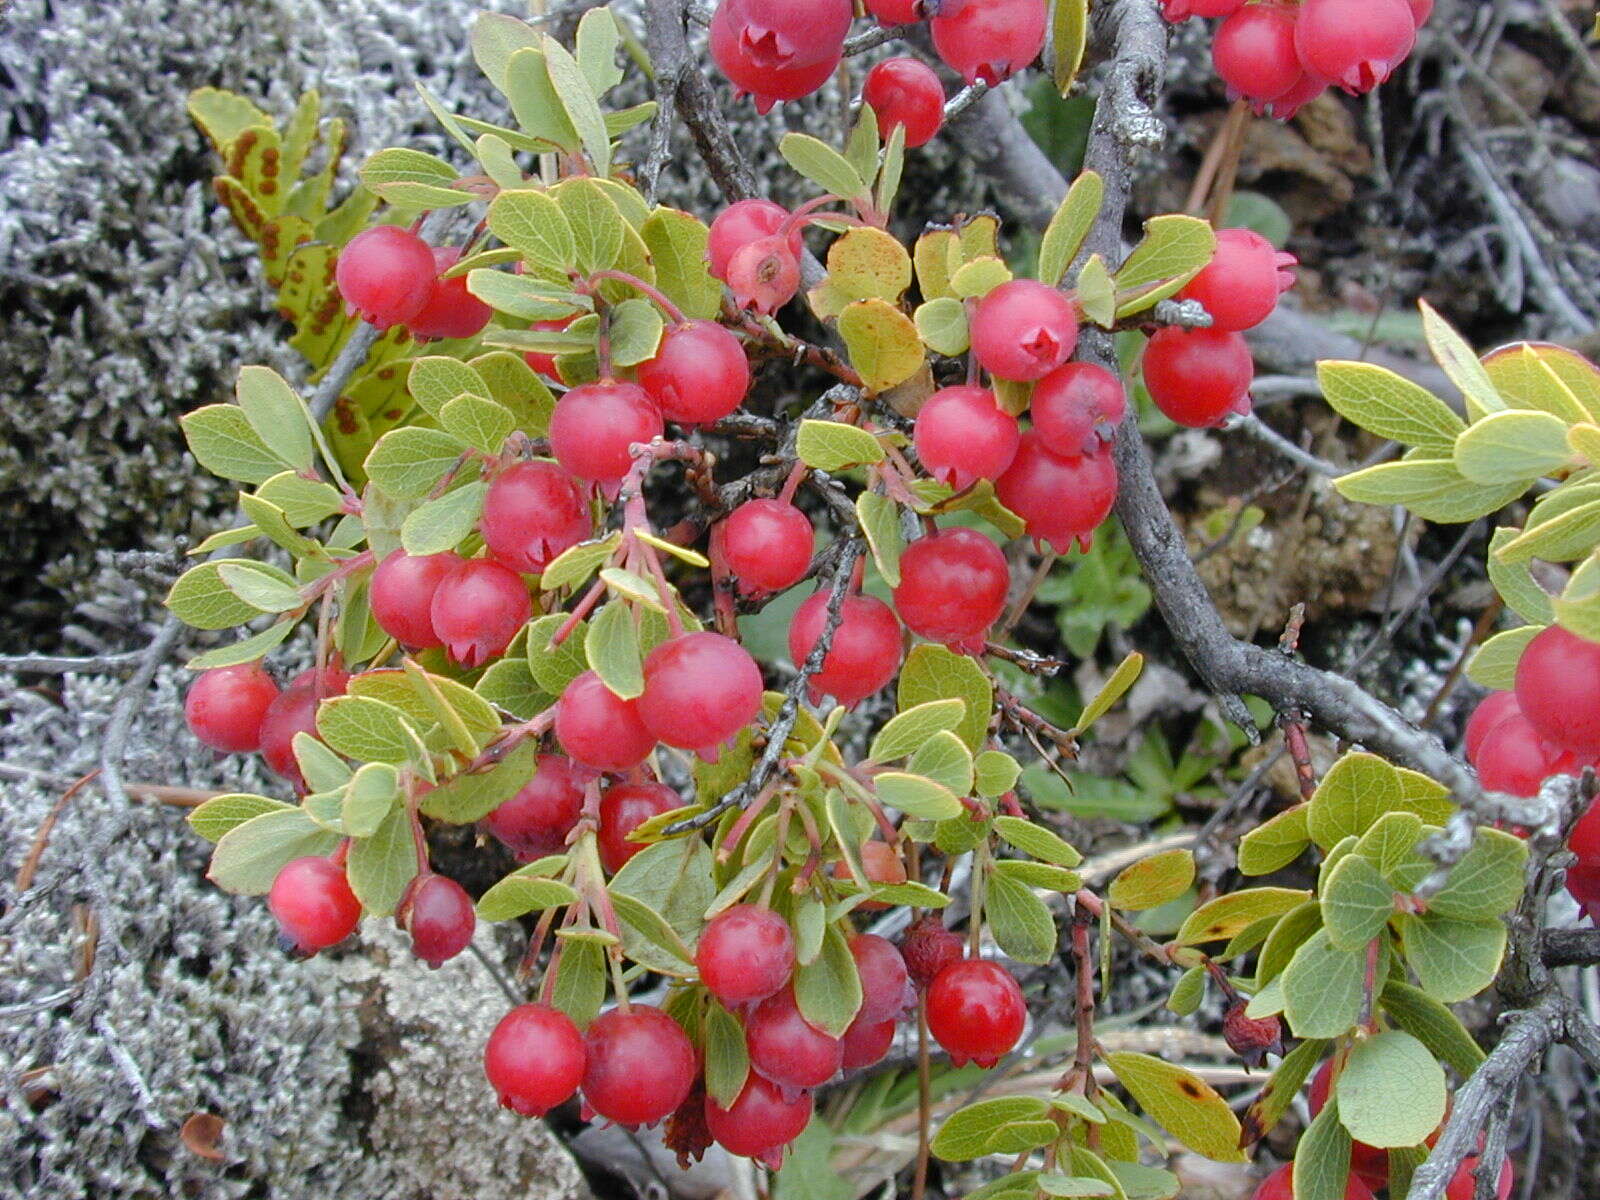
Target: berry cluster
{"x":390,"y":276}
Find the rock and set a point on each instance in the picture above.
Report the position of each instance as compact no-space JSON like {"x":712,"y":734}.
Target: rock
{"x":1523,"y":78}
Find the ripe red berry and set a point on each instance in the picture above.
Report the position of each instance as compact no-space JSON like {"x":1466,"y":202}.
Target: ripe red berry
{"x":1512,"y":757}
{"x":225,"y":706}
{"x":402,"y":595}
{"x":295,"y":711}
{"x":1421,"y":10}
{"x":600,"y":729}
{"x":952,"y":586}
{"x":767,"y":545}
{"x":779,"y":49}
{"x":451,"y":311}
{"x":1558,"y":689}
{"x":386,"y":275}
{"x":786,"y":1048}
{"x":1198,"y":377}
{"x":741,"y":223}
{"x":478,"y":609}
{"x":928,"y":948}
{"x":866,"y":647}
{"x":1253,"y":51}
{"x":976,"y":1011}
{"x":532,"y":512}
{"x":1063,"y":500}
{"x":1251,"y":1038}
{"x":1280,"y":1186}
{"x":534,"y":1059}
{"x":594,"y":424}
{"x":542,"y":363}
{"x":906,"y":92}
{"x":699,"y":375}
{"x":882,"y":864}
{"x":1491,"y":710}
{"x":535,"y":822}
{"x":761,"y":1122}
{"x":989,"y":40}
{"x":700,"y":689}
{"x":624,"y":808}
{"x":1355,"y":43}
{"x":895,"y":12}
{"x":1463,"y":1185}
{"x":313,"y":903}
{"x":1301,"y":94}
{"x":440,"y":918}
{"x":640,"y":1066}
{"x":865,"y":1043}
{"x":764,"y":275}
{"x":746,"y":954}
{"x":885,"y":986}
{"x":962,"y":435}
{"x":1076,"y":409}
{"x":1178,"y":10}
{"x":1023,"y":330}
{"x":1241,"y":284}
{"x":1583,"y":878}
{"x":332,"y":680}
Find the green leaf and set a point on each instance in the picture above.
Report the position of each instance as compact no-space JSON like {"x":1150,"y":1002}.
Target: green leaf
{"x":365,"y":729}
{"x":302,"y":501}
{"x":822,"y":165}
{"x":573,"y":566}
{"x":880,"y":521}
{"x":531,"y":222}
{"x":220,"y":814}
{"x":1287,"y":936}
{"x":369,"y":798}
{"x":636,"y":329}
{"x":1391,"y":1091}
{"x":1322,"y":1160}
{"x":1494,"y":664}
{"x":1057,"y":1184}
{"x":1389,"y":405}
{"x":1460,"y":364}
{"x":524,"y":891}
{"x":248,"y":650}
{"x":580,"y":986}
{"x":598,"y":39}
{"x":277,"y":415}
{"x":1512,"y":445}
{"x":1565,"y":537}
{"x":555,"y":667}
{"x":443,"y":524}
{"x":1152,"y":882}
{"x":908,"y":730}
{"x":509,"y":685}
{"x":828,"y":989}
{"x":861,"y":149}
{"x":469,"y":798}
{"x":917,"y":796}
{"x":1454,"y":960}
{"x":1515,"y":583}
{"x":1268,"y":1108}
{"x":945,"y":759}
{"x":1008,"y":1125}
{"x":202,"y":598}
{"x":894,"y":165}
{"x":536,"y":102}
{"x":1434,"y":1025}
{"x":1063,"y":237}
{"x":222,"y":440}
{"x":1137,"y":1181}
{"x":1069,"y":25}
{"x":269,"y":519}
{"x":1188,"y":992}
{"x":980,"y":276}
{"x":1182,"y":1103}
{"x":597,"y":224}
{"x":677,"y":244}
{"x":1097,"y":294}
{"x":1356,"y":903}
{"x":523,"y":296}
{"x":1275,"y":843}
{"x":612,"y":649}
{"x":323,"y":770}
{"x":1038,"y":875}
{"x":435,"y":380}
{"x":249,"y":856}
{"x":1112,"y":690}
{"x":673,"y":880}
{"x":1019,"y":921}
{"x":942,"y":325}
{"x":1173,"y":251}
{"x":1390,"y":840}
{"x":410,"y":461}
{"x":1322,"y":988}
{"x":727,"y":1059}
{"x":383,"y":865}
{"x":1430,"y":487}
{"x":934,"y":673}
{"x":833,"y":446}
{"x":995,"y":773}
{"x":882,"y":342}
{"x":1037,"y":841}
{"x":863,"y":264}
{"x":1485,"y":883}
{"x":1355,"y":792}
{"x":1229,"y":915}
{"x":418,"y":173}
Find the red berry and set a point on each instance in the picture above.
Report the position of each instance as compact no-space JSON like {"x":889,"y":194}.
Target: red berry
{"x":542,"y":363}
{"x":1369,"y":1165}
{"x":535,"y":822}
{"x":1178,"y":10}
{"x":764,"y":275}
{"x":1280,"y":1186}
{"x":1251,"y":1038}
{"x":1253,"y":51}
{"x":928,"y":948}
{"x":1463,"y":1186}
{"x":866,"y":647}
{"x":866,"y":1043}
{"x":906,"y":92}
{"x":1513,"y":758}
{"x":885,"y":985}
{"x":1023,"y":330}
{"x":402,"y":595}
{"x":225,"y":706}
{"x":332,"y":680}
{"x":1063,"y":500}
{"x":779,"y":49}
{"x":534,"y":1059}
{"x":1198,"y":377}
{"x":1558,"y":689}
{"x":1301,"y":94}
{"x":451,"y":311}
{"x":882,"y":864}
{"x":1354,"y":43}
{"x":761,"y":1122}
{"x":746,"y":954}
{"x":532,"y":512}
{"x":786,"y":1048}
{"x":1076,"y":409}
{"x":976,"y":1011}
{"x":741,"y":223}
{"x":1491,"y":710}
{"x":1421,"y":10}
{"x":1241,"y":284}
{"x":624,"y":808}
{"x":441,"y":919}
{"x":295,"y":711}
{"x":594,"y":424}
{"x":313,"y":903}
{"x":640,"y":1067}
{"x":700,"y":689}
{"x":989,"y":40}
{"x":699,"y":375}
{"x":386,"y":275}
{"x":963,"y":436}
{"x":952,"y":586}
{"x":1583,"y":878}
{"x":478,"y":609}
{"x":767,"y":544}
{"x":600,"y":729}
{"x":895,"y":12}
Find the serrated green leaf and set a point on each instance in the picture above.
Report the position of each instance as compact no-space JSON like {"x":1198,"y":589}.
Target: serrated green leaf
{"x":442,"y":524}
{"x":833,"y":446}
{"x":1356,"y":903}
{"x":1152,"y":882}
{"x":1018,"y":920}
{"x":1391,"y":1091}
{"x":531,"y":222}
{"x":249,"y":856}
{"x":822,"y":165}
{"x":1515,"y":444}
{"x":1389,"y":405}
{"x":365,"y":729}
{"x":212,"y":819}
{"x":1181,"y":1103}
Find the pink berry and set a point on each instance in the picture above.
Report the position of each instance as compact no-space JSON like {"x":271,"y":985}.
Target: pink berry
{"x":478,"y":609}
{"x":332,"y":680}
{"x":1062,"y":500}
{"x":928,"y":948}
{"x":535,"y":822}
{"x":989,"y":40}
{"x":767,"y":544}
{"x":741,"y":223}
{"x":1076,"y":409}
{"x":1253,"y":51}
{"x":600,"y":729}
{"x":441,"y":919}
{"x":905,"y":92}
{"x":761,"y":1122}
{"x":1421,"y":10}
{"x":895,"y":12}
{"x":962,"y":435}
{"x":533,"y":512}
{"x":295,"y":711}
{"x":1241,"y":284}
{"x":1178,"y":10}
{"x":700,"y":689}
{"x":976,"y":1012}
{"x":1280,"y":1186}
{"x":225,"y":706}
{"x":1198,"y":377}
{"x":1491,"y":710}
{"x":746,"y":954}
{"x":386,"y":275}
{"x":952,"y":586}
{"x":779,"y":49}
{"x":1558,"y":689}
{"x":1512,"y":757}
{"x":699,"y":375}
{"x":402,"y":593}
{"x":866,"y":647}
{"x":764,"y":275}
{"x":624,"y":808}
{"x":865,"y":1043}
{"x":786,"y":1048}
{"x":451,"y":310}
{"x":882,"y":864}
{"x":1583,"y":877}
{"x":885,"y":985}
{"x":1301,"y":94}
{"x":1023,"y":330}
{"x":594,"y":424}
{"x":1355,"y":43}
{"x":1463,"y":1185}
{"x":640,"y":1065}
{"x":542,"y":363}
{"x":534,"y":1059}
{"x":313,"y":903}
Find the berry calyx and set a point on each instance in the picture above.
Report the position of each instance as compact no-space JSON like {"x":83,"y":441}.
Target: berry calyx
{"x":699,"y":375}
{"x":1251,"y":1038}
{"x":226,"y":705}
{"x":478,"y":609}
{"x":386,"y":275}
{"x":779,"y":49}
{"x":1076,"y":409}
{"x":885,"y":985}
{"x":952,"y":586}
{"x":976,"y":1011}
{"x":534,"y":1059}
{"x":865,"y":1043}
{"x":1253,"y":51}
{"x":786,"y":1048}
{"x":767,"y":545}
{"x":1241,"y":285}
{"x":295,"y":711}
{"x":623,"y":809}
{"x":1558,"y":689}
{"x":1198,"y":377}
{"x":402,"y":593}
{"x":700,"y":689}
{"x":746,"y":954}
{"x":1355,"y":43}
{"x":440,"y":918}
{"x":928,"y":948}
{"x":313,"y":903}
{"x":962,"y":435}
{"x":640,"y":1065}
{"x":1062,"y":500}
{"x":741,"y":223}
{"x":866,"y":647}
{"x":532,"y":512}
{"x":764,"y":275}
{"x":594,"y":424}
{"x":989,"y":40}
{"x":450,"y":311}
{"x":600,"y":729}
{"x":1023,"y":330}
{"x":535,"y":822}
{"x":905,"y":92}
{"x":760,"y":1122}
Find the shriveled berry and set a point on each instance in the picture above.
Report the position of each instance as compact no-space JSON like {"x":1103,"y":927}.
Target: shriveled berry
{"x":779,"y":49}
{"x":928,"y":948}
{"x":1062,"y":500}
{"x":1558,"y":689}
{"x":786,"y":1048}
{"x":764,"y":275}
{"x":1023,"y":330}
{"x":767,"y":545}
{"x":600,"y":729}
{"x":402,"y":595}
{"x":451,"y":311}
{"x":1491,"y":710}
{"x":1241,"y":285}
{"x":741,"y":223}
{"x":989,"y":40}
{"x":976,"y":1011}
{"x":295,"y":711}
{"x":478,"y":609}
{"x":952,"y":585}
{"x":226,"y":705}
{"x":640,"y":1065}
{"x":866,"y":647}
{"x":1355,"y":43}
{"x":1076,"y":409}
{"x":962,"y":435}
{"x":1251,"y":1038}
{"x":535,"y":822}
{"x":624,"y":808}
{"x":313,"y":904}
{"x":700,"y":690}
{"x":534,"y":1059}
{"x":532,"y":512}
{"x":699,"y":375}
{"x":440,"y":918}
{"x":865,"y":1043}
{"x":905,"y":92}
{"x":1253,"y":51}
{"x":685,"y":1132}
{"x":1198,"y":377}
{"x":760,"y":1122}
{"x":386,"y":275}
{"x":594,"y":424}
{"x":746,"y":953}
{"x":885,"y":985}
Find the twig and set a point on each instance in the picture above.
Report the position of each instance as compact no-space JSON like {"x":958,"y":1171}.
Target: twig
{"x":52,"y":664}
{"x":130,"y":1072}
{"x":1267,"y":435}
